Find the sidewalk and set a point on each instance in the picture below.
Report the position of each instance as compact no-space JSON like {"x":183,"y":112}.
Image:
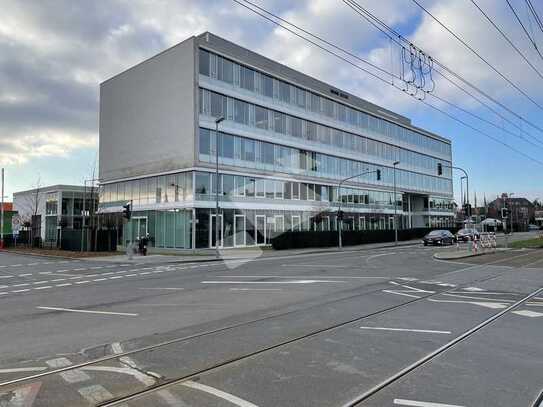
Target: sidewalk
{"x":205,"y":255}
{"x":462,"y":254}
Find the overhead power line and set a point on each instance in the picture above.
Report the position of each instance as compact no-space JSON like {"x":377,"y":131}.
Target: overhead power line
{"x":396,"y":37}
{"x":507,"y":39}
{"x":524,"y":29}
{"x":277,"y":21}
{"x":534,"y":13}
{"x":463,"y":42}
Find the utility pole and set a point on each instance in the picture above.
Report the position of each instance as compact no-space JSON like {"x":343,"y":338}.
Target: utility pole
{"x":395,"y":207}
{"x":2,"y":214}
{"x":217,"y":223}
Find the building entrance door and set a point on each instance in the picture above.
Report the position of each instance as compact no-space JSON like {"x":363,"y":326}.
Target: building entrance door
{"x":260,"y":229}
{"x":212,"y":231}
{"x":239,"y":230}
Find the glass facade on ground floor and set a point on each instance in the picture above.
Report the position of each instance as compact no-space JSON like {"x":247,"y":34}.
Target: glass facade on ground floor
{"x":172,"y":229}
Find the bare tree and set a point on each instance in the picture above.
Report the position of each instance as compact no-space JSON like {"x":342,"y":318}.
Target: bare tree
{"x":31,"y":206}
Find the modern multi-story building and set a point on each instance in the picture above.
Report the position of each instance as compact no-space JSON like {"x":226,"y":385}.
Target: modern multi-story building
{"x":286,"y":142}
{"x":51,"y":207}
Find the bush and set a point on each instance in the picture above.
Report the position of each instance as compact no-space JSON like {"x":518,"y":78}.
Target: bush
{"x":299,"y":240}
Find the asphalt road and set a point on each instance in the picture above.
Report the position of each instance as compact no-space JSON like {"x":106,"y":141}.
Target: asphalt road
{"x":386,"y":327}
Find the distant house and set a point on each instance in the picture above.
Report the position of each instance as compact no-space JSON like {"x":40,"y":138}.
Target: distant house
{"x":522,"y":211}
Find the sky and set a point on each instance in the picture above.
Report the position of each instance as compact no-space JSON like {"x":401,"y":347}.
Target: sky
{"x":55,"y":53}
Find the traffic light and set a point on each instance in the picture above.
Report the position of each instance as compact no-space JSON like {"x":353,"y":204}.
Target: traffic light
{"x":340,"y":215}
{"x":127,"y":211}
{"x":467,"y":209}
{"x":505,"y":213}
{"x":378,"y":175}
{"x":439,"y":169}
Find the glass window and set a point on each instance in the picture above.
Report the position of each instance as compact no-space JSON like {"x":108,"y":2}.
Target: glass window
{"x":279,"y":122}
{"x":204,"y":62}
{"x":247,"y":79}
{"x":228,"y":184}
{"x":267,"y":85}
{"x":205,"y":141}
{"x":284,"y":92}
{"x":248,"y":150}
{"x":239,"y":186}
{"x":249,"y":187}
{"x":303,"y":192}
{"x":311,"y":192}
{"x":202,"y":183}
{"x":296,"y":127}
{"x":287,"y":190}
{"x":270,"y":189}
{"x":261,"y":117}
{"x":279,"y":187}
{"x":260,"y":188}
{"x":218,"y":105}
{"x":267,"y":150}
{"x":225,"y":70}
{"x":295,"y":190}
{"x":241,"y":112}
{"x":226,"y":149}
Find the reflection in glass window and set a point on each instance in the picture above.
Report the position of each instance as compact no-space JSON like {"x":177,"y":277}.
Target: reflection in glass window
{"x":228,"y":184}
{"x":204,"y":62}
{"x":202,"y":183}
{"x":261,"y":117}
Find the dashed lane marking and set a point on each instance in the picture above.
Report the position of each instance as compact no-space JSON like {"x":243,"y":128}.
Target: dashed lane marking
{"x":527,"y":313}
{"x":218,"y":393}
{"x":428,"y":331}
{"x":413,"y":403}
{"x":128,"y":314}
{"x":43,"y":287}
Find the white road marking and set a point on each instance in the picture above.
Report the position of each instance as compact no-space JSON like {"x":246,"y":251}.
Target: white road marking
{"x":256,"y":289}
{"x":493,"y":305}
{"x":401,"y":293}
{"x":43,"y":287}
{"x":75,"y":277}
{"x":40,"y":282}
{"x":71,"y":376}
{"x":313,"y":265}
{"x":63,"y":285}
{"x":161,"y":288}
{"x":25,"y":275}
{"x":472,"y":289}
{"x":24,"y":369}
{"x":218,"y":393}
{"x":526,"y":313}
{"x":408,"y":278}
{"x":273,"y":282}
{"x":17,"y":285}
{"x":289,"y":276}
{"x":58,"y":279}
{"x":406,"y":330}
{"x":469,"y":297}
{"x":115,"y":277}
{"x":89,"y":312}
{"x":8,"y":276}
{"x":95,"y":394}
{"x":100,"y":279}
{"x":130,"y":275}
{"x":3,"y":293}
{"x":21,"y":291}
{"x":83,"y":282}
{"x":144,"y":273}
{"x":413,"y":403}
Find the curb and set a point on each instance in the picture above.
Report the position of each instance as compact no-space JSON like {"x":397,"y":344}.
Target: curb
{"x":438,"y":257}
{"x":41,"y":255}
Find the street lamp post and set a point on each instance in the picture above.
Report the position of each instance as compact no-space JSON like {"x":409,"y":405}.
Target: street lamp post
{"x":467,"y":184}
{"x":395,"y":206}
{"x":2,"y":214}
{"x":217,"y":224}
{"x":340,"y":221}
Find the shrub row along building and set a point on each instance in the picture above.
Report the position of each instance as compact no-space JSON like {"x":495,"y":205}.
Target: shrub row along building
{"x":285,"y":143}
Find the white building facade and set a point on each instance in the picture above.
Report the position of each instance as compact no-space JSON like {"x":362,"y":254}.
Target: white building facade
{"x":286,"y":142}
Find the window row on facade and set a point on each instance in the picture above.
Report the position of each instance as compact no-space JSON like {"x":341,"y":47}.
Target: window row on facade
{"x":244,"y":152}
{"x":239,"y":186}
{"x":222,"y":69}
{"x":290,"y":127}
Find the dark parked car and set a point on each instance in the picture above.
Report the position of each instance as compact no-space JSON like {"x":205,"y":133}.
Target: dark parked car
{"x":465,"y":235}
{"x":438,"y":237}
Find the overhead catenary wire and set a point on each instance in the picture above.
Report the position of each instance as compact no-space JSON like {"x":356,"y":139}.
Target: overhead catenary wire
{"x":523,"y":28}
{"x":270,"y":17}
{"x":507,"y":39}
{"x":463,"y":42}
{"x":535,"y":14}
{"x":399,"y":39}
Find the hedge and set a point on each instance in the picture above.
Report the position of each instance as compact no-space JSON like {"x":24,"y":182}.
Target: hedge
{"x":300,"y":240}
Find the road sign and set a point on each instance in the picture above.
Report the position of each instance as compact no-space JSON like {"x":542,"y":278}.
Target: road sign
{"x":16,"y":224}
